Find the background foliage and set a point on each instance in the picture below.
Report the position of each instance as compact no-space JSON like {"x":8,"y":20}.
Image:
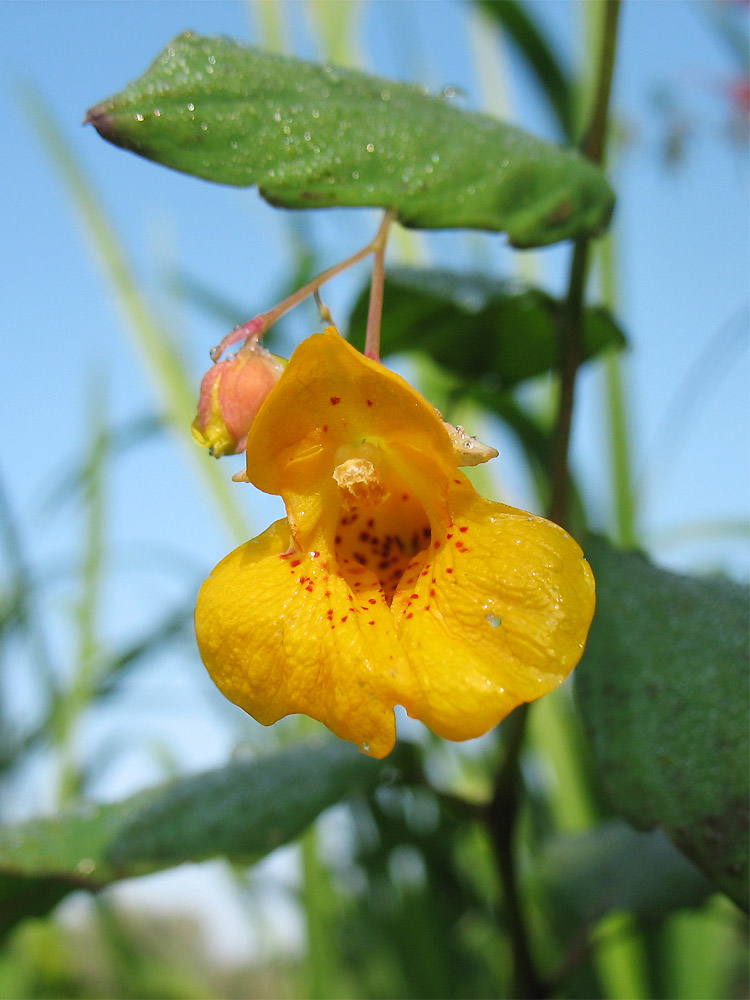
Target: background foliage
{"x":505,"y":867}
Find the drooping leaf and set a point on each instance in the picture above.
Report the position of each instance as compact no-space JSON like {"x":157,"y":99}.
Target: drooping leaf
{"x":663,"y":689}
{"x":313,"y":136}
{"x":477,"y":327}
{"x":241,"y":811}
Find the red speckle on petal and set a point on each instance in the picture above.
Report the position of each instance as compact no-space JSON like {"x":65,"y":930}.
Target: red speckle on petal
{"x":371,"y":623}
{"x":325,"y":428}
{"x":463,"y":529}
{"x":372,"y":601}
{"x":438,"y":543}
{"x":410,"y":615}
{"x":295,"y":562}
{"x":344,"y":618}
{"x":449,"y":569}
{"x":369,"y":402}
{"x":335,"y":400}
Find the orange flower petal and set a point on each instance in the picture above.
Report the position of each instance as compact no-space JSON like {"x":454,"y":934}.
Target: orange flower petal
{"x":282,"y":631}
{"x":496,"y":613}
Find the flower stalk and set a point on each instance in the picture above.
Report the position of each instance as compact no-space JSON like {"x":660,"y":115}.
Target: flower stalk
{"x":261,"y":323}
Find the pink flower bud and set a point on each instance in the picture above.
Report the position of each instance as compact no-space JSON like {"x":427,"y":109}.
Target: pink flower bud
{"x":232,"y":392}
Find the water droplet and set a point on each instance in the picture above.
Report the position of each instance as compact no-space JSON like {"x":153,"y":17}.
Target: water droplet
{"x":435,"y":157}
{"x":191,"y":106}
{"x":138,"y":116}
{"x":85,"y":866}
{"x":370,"y":147}
{"x":385,"y":95}
{"x":204,"y":126}
{"x":494,"y":620}
{"x":366,"y":747}
{"x":157,"y":113}
{"x":315,"y":113}
{"x":277,"y":116}
{"x":287,"y":129}
{"x":307,"y":137}
{"x":355,"y":175}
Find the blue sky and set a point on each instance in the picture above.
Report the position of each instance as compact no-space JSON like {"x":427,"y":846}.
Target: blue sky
{"x":682,"y":251}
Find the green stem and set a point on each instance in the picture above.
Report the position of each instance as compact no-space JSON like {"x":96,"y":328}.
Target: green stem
{"x":507,"y":799}
{"x":502,"y":814}
{"x":625,"y":513}
{"x":81,"y":690}
{"x":571,"y":323}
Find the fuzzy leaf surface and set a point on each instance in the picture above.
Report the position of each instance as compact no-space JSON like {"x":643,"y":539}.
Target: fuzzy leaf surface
{"x":664,"y":693}
{"x":242,"y":811}
{"x":315,"y":136}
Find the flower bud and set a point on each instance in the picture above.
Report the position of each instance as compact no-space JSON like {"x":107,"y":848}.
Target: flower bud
{"x":232,"y":392}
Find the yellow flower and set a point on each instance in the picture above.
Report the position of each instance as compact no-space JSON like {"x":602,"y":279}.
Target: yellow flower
{"x":391,"y":581}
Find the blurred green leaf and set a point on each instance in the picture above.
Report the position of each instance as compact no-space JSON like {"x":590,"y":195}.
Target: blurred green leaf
{"x":516,"y":21}
{"x":477,"y":327}
{"x":663,"y":689}
{"x":614,"y":867}
{"x":313,"y":136}
{"x":242,"y":811}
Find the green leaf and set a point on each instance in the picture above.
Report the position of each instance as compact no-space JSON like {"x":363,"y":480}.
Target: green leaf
{"x":663,"y":689}
{"x":313,"y":136}
{"x":614,"y":867}
{"x":241,"y":811}
{"x":476,"y":326}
